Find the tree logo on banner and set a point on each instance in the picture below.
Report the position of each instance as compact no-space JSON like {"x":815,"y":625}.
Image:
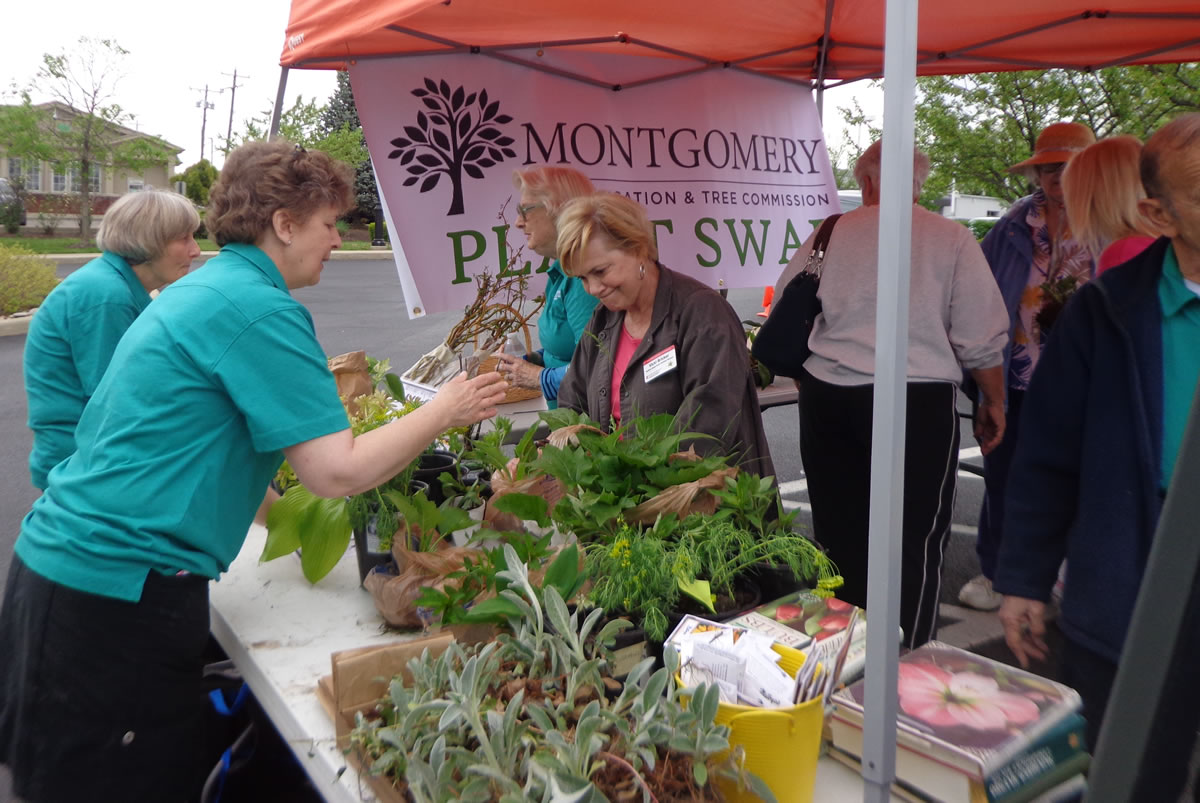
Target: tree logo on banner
{"x":456,"y":133}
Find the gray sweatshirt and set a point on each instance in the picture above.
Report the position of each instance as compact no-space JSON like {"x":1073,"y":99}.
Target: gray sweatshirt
{"x":957,"y":320}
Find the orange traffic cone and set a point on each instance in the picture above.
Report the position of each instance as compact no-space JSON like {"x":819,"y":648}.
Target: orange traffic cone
{"x":768,"y":297}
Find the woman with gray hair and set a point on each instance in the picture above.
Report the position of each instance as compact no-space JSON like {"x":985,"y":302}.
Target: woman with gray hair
{"x":147,"y":242}
{"x":957,"y":322}
{"x":543,"y":192}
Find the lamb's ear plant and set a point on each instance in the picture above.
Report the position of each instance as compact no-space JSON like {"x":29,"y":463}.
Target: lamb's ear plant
{"x":526,"y":717}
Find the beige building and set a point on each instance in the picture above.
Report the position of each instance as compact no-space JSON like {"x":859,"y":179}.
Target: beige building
{"x":50,"y":190}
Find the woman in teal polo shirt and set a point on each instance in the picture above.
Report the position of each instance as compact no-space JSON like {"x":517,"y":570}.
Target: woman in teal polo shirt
{"x":147,"y":240}
{"x":544,"y":191}
{"x":105,"y":614}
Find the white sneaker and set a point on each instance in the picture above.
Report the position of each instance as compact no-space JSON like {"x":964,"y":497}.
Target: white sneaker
{"x":977,"y":593}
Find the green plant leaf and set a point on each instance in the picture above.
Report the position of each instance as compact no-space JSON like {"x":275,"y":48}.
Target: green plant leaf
{"x":563,"y":572}
{"x":698,"y":590}
{"x":324,"y":538}
{"x":699,"y":772}
{"x":319,"y":527}
{"x":524,"y":507}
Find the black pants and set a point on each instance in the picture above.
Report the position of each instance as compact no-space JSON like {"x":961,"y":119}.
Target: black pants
{"x":995,"y":485}
{"x":1165,"y":769}
{"x":835,"y":445}
{"x":102,"y":699}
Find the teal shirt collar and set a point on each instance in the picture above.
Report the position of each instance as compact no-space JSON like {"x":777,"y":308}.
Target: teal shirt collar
{"x":259,"y":259}
{"x":121,"y":265}
{"x":1173,"y":294}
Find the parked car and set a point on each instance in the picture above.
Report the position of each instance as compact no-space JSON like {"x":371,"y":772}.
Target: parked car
{"x":10,"y":201}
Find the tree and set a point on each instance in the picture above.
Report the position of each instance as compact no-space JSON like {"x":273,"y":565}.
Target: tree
{"x":302,"y":125}
{"x":340,"y":112}
{"x":198,"y":180}
{"x":975,"y":126}
{"x":452,"y":137}
{"x":85,"y":79}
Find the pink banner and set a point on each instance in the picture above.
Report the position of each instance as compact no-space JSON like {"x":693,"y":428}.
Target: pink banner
{"x":731,"y":167}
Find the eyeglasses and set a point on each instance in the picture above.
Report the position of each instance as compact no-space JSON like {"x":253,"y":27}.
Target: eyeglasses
{"x":523,"y":210}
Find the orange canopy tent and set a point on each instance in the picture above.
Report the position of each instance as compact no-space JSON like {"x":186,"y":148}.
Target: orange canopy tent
{"x":824,"y":43}
{"x":829,"y":41}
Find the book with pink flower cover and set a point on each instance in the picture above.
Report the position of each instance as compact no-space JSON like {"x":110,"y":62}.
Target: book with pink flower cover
{"x":962,"y":710}
{"x":814,"y":625}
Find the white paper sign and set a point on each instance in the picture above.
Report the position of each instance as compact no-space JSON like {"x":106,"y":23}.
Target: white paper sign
{"x":731,"y":167}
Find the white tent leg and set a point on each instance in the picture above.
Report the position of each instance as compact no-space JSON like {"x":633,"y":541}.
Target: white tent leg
{"x":887,"y":427}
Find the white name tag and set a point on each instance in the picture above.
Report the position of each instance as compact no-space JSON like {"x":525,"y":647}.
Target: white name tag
{"x":662,"y":363}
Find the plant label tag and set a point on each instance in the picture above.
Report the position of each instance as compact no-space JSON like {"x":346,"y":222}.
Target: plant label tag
{"x":662,"y":363}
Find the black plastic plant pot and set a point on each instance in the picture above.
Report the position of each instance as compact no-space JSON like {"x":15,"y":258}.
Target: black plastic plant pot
{"x":368,"y":550}
{"x":775,"y":582}
{"x":430,"y":466}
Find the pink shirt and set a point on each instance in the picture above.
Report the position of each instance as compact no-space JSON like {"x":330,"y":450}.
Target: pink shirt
{"x":1122,"y":250}
{"x":626,"y":345}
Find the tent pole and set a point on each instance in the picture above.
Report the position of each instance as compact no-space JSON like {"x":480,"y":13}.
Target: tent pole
{"x":277,"y":112}
{"x":890,"y":402}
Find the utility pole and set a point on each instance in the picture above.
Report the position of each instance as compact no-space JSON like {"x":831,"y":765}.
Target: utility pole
{"x":233,"y":87}
{"x":205,"y":106}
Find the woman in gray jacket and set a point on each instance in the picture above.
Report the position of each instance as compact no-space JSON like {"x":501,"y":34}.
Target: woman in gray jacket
{"x":659,"y":341}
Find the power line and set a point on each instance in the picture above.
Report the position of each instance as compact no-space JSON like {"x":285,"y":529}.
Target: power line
{"x":233,"y":88}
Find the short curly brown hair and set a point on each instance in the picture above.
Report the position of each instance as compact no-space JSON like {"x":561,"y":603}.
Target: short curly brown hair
{"x":260,"y":178}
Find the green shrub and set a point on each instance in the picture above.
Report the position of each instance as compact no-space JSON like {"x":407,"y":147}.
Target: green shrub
{"x":981,"y":226}
{"x":25,"y":279}
{"x":343,"y":228}
{"x":371,"y":230}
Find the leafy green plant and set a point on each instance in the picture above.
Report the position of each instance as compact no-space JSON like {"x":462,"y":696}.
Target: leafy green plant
{"x":606,"y":474}
{"x":535,"y":715}
{"x":322,"y":528}
{"x":636,"y":575}
{"x":25,"y":279}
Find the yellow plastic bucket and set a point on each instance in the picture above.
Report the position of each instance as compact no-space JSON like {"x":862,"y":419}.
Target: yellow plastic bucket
{"x":782,"y":745}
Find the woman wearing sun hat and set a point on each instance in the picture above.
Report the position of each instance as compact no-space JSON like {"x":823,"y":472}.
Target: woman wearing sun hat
{"x":1032,"y":245}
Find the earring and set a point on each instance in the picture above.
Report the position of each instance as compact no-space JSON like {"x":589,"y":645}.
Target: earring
{"x":641,"y":271}
{"x":289,"y":242}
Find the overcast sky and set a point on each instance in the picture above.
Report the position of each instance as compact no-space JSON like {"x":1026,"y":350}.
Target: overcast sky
{"x":176,"y":49}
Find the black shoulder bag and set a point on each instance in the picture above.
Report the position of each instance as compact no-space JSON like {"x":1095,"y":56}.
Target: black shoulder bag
{"x":782,"y":341}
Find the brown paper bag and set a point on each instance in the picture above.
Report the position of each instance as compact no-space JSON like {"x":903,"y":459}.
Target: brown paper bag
{"x":396,"y":594}
{"x":352,"y":376}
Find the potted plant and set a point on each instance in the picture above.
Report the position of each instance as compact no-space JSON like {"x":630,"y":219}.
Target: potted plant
{"x":536,"y":715}
{"x":665,"y":529}
{"x":321,"y":529}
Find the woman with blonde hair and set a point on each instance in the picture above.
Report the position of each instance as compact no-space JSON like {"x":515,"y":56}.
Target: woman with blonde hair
{"x":105,"y":615}
{"x":147,"y":243}
{"x":660,"y":342}
{"x":568,"y":308}
{"x":1101,"y":187}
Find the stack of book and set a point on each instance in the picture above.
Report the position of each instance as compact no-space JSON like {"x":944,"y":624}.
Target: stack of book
{"x":816,"y":626}
{"x":973,"y":730}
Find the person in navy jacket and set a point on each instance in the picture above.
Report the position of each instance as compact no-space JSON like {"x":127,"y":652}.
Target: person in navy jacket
{"x":1102,"y":423}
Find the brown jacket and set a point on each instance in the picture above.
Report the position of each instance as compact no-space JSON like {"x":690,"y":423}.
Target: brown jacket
{"x":711,"y":389}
